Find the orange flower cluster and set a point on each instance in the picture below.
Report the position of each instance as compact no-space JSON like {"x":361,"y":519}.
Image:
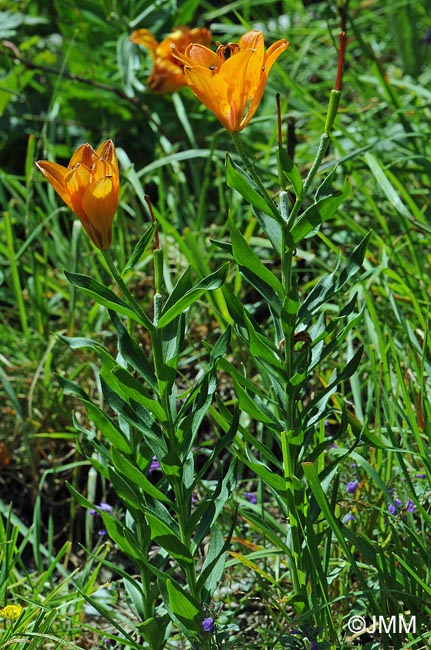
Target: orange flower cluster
{"x":89,"y":186}
{"x":231,"y":81}
{"x":168,"y":71}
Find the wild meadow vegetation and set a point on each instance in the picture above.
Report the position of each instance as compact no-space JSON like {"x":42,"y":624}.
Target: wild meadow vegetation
{"x":215,"y":410}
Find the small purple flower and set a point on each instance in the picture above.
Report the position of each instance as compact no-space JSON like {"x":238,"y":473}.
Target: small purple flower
{"x":410,"y":506}
{"x":420,"y":475}
{"x":105,"y":507}
{"x":394,"y":506}
{"x":155,"y":466}
{"x":208,"y":624}
{"x":251,"y":497}
{"x":314,"y":645}
{"x":352,"y":486}
{"x":348,"y":517}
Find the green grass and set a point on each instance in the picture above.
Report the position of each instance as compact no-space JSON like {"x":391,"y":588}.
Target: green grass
{"x":295,"y":570}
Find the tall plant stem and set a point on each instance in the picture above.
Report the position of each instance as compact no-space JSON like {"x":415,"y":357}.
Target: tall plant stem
{"x":294,"y":533}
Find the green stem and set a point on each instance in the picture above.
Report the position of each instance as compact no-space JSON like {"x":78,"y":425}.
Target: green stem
{"x":125,"y":291}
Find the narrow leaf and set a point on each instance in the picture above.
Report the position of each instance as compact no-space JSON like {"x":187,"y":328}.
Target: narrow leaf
{"x":167,"y":538}
{"x":134,"y":475}
{"x":246,"y":257}
{"x":101,"y":294}
{"x":183,"y":605}
{"x":106,"y":427}
{"x":239,"y":181}
{"x":210,"y":283}
{"x":140,"y":248}
{"x":309,"y":222}
{"x":132,"y":353}
{"x":131,"y":387}
{"x":290,"y":170}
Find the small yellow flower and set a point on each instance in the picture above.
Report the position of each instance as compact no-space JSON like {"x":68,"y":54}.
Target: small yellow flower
{"x":89,"y":185}
{"x":167,"y":74}
{"x":11,"y":611}
{"x":230,"y":81}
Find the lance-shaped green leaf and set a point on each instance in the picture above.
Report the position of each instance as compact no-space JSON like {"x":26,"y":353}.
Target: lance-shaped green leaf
{"x":309,"y":222}
{"x":102,"y":295}
{"x":156,"y":631}
{"x":255,"y":271}
{"x":133,"y":353}
{"x":314,"y":409}
{"x":255,"y":407}
{"x":77,"y":342}
{"x":106,"y":427}
{"x":183,"y":606}
{"x":262,"y":348}
{"x":314,"y":482}
{"x":268,"y":476}
{"x":139,"y":417}
{"x":131,"y":387}
{"x":330,"y":284}
{"x":127,"y":492}
{"x":167,"y":537}
{"x":209,"y":283}
{"x":242,"y":183}
{"x":391,"y":193}
{"x":213,"y":566}
{"x":123,"y":537}
{"x":133,"y":474}
{"x":273,"y":229}
{"x":70,"y":387}
{"x":290,"y":170}
{"x":140,"y":248}
{"x":325,"y":188}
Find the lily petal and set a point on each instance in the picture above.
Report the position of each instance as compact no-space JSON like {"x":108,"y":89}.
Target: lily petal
{"x":100,"y":205}
{"x":251,"y":40}
{"x":273,"y":53}
{"x":76,"y":181}
{"x":55,"y":174}
{"x":84,"y":155}
{"x":145,"y":38}
{"x":212,"y":90}
{"x":197,"y":54}
{"x":107,"y":155}
{"x":166,"y":77}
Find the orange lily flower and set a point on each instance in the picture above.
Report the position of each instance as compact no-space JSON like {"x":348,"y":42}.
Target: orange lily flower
{"x":89,"y":186}
{"x":231,"y":81}
{"x":167,"y":74}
